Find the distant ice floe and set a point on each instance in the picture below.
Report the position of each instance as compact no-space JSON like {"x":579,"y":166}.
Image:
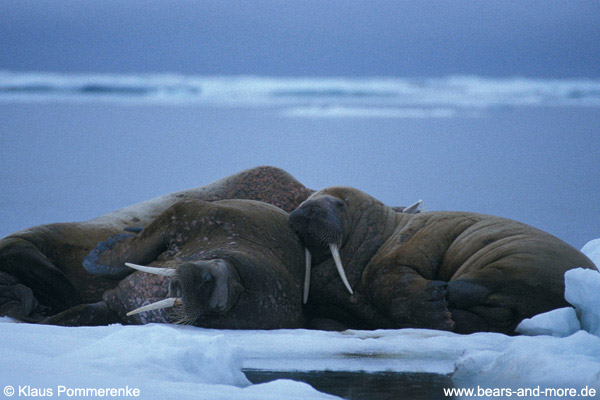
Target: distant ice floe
{"x":311,"y":97}
{"x":368,"y":112}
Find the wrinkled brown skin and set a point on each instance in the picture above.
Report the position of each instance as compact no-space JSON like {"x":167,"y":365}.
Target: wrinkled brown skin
{"x":265,"y":255}
{"x":456,"y":271}
{"x":41,"y":270}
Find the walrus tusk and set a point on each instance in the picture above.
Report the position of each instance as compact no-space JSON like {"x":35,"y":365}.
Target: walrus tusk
{"x":335,"y":252}
{"x":152,"y":270}
{"x":170,"y":302}
{"x":306,"y":275}
{"x":413,"y":208}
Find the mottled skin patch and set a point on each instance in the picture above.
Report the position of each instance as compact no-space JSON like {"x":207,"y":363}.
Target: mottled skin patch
{"x":456,"y":271}
{"x":47,"y":259}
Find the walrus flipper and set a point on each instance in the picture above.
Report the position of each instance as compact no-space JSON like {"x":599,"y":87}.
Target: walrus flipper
{"x":410,"y":300}
{"x":108,"y":258}
{"x":93,"y":265}
{"x":32,"y":286}
{"x":18,"y":301}
{"x":465,"y":302}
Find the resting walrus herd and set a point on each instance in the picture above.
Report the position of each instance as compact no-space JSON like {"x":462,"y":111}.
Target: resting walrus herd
{"x":228,"y":255}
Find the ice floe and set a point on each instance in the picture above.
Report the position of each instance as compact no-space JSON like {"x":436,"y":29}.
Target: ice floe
{"x":561,"y":322}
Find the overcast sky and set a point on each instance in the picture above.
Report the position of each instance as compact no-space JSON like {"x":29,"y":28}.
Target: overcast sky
{"x":306,"y":37}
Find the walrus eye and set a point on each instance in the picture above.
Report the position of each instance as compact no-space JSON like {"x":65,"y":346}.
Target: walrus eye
{"x":175,"y":288}
{"x":338,"y":203}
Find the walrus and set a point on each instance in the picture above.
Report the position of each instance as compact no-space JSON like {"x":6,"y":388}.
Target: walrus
{"x":229,"y":264}
{"x":457,"y":271}
{"x":41,"y":271}
{"x":186,"y":238}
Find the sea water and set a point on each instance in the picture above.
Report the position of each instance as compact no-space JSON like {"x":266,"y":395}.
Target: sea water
{"x":73,"y":147}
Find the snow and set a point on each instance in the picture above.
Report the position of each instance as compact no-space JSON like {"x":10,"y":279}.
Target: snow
{"x":171,"y":362}
{"x":541,"y":360}
{"x":583,"y":292}
{"x":561,"y":322}
{"x":162,"y":361}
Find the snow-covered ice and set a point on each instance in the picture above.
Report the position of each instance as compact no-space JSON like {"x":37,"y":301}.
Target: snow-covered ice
{"x":541,"y":360}
{"x":162,"y":361}
{"x":561,"y":322}
{"x":166,"y":361}
{"x":592,"y":250}
{"x":583,"y":292}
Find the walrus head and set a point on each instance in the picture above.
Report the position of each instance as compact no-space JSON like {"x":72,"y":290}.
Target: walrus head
{"x":204,"y":288}
{"x":330,"y":218}
{"x":318,"y":221}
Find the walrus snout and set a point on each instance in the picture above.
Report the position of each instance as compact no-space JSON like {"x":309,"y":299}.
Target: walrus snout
{"x":204,"y":288}
{"x":318,"y":221}
{"x":208,"y":287}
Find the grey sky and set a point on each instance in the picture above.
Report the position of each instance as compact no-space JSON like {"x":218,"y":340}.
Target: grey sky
{"x":307,"y":37}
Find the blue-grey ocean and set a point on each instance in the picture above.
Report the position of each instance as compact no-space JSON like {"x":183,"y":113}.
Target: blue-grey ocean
{"x":75,"y":146}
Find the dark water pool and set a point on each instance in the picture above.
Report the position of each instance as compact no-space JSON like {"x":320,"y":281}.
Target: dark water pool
{"x":365,"y":386}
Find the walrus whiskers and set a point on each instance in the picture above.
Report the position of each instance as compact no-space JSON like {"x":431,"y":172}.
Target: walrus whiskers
{"x":335,"y":252}
{"x":166,"y":303}
{"x":306,"y":274}
{"x":152,"y":270}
